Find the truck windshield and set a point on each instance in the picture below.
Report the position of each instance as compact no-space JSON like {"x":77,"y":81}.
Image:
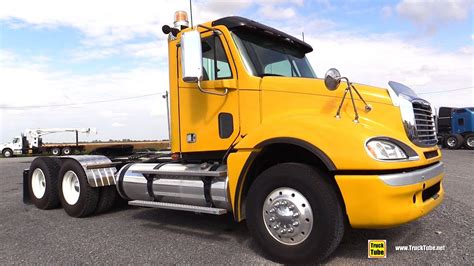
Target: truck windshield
{"x":265,"y":56}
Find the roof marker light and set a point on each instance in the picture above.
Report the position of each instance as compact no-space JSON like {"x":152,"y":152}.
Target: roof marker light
{"x":181,"y":19}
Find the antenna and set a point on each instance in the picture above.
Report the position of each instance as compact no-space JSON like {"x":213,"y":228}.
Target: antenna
{"x":191,"y":11}
{"x":302,"y":33}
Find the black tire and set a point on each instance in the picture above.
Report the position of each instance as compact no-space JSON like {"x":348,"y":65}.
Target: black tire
{"x":453,"y":142}
{"x":469,"y":141}
{"x":50,"y":169}
{"x":88,"y":196}
{"x":314,"y":185}
{"x":107,"y":196}
{"x":56,"y":151}
{"x":66,"y":151}
{"x":7,"y":153}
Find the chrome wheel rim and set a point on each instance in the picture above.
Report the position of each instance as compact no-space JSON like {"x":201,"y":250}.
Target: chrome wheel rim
{"x":71,"y":187}
{"x":7,"y":154}
{"x":66,"y":151}
{"x":38,"y":183}
{"x":470,"y":141}
{"x":451,"y":142}
{"x":288,"y":216}
{"x":55,"y":151}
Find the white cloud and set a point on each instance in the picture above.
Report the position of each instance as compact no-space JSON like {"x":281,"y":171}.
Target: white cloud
{"x":103,"y":22}
{"x":117,"y":124}
{"x":273,"y":12}
{"x":431,"y":14}
{"x":374,"y":60}
{"x":25,"y":83}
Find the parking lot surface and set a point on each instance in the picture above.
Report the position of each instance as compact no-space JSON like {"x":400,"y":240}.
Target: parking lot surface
{"x":138,"y":235}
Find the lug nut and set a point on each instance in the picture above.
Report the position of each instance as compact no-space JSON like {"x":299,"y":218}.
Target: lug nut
{"x":272,"y":210}
{"x":277,"y":204}
{"x":284,"y":203}
{"x":296,"y":215}
{"x":291,"y":207}
{"x":290,"y":230}
{"x":272,"y":219}
{"x":275,"y":227}
{"x":296,"y":223}
{"x":282,"y":231}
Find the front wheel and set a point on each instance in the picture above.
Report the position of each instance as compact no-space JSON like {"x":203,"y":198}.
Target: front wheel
{"x":7,"y":153}
{"x":294,"y":213}
{"x":454,"y":141}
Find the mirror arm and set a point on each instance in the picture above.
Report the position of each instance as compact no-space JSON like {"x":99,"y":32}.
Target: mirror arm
{"x":368,"y":108}
{"x":349,"y":89}
{"x":226,"y":90}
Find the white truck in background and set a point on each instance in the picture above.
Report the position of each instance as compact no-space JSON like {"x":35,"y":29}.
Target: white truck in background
{"x":31,"y":142}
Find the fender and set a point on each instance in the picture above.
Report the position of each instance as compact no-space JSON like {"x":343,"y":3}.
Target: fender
{"x":340,"y":139}
{"x":100,"y":170}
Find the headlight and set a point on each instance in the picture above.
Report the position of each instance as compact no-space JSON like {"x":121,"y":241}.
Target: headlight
{"x":385,"y":150}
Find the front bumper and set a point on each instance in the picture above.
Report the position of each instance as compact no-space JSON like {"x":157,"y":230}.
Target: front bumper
{"x":380,"y":201}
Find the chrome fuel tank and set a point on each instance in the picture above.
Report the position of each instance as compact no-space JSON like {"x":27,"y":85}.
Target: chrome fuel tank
{"x":191,"y":184}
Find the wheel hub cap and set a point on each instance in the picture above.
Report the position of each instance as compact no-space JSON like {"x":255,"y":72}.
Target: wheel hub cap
{"x":470,"y":142}
{"x":451,"y":142}
{"x":287,"y":216}
{"x":38,"y":183}
{"x":71,"y":187}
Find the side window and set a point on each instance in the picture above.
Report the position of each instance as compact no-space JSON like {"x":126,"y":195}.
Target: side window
{"x":214,"y":60}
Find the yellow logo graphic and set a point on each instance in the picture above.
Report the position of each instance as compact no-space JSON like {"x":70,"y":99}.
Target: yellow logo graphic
{"x":377,"y":249}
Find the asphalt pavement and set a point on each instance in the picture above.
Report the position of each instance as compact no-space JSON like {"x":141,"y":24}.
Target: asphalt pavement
{"x":129,"y":235}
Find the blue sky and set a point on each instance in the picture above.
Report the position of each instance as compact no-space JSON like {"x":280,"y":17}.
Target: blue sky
{"x":71,"y":52}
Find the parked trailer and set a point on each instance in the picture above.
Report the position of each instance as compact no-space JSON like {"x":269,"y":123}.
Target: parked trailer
{"x":254,"y":133}
{"x":31,"y":142}
{"x":456,"y":127}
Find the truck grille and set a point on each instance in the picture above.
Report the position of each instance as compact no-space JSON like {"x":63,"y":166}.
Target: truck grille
{"x":425,"y":129}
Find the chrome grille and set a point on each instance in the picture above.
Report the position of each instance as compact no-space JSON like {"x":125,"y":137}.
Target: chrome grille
{"x":425,"y":128}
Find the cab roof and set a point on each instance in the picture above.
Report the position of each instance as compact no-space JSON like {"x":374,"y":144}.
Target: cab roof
{"x":244,"y":24}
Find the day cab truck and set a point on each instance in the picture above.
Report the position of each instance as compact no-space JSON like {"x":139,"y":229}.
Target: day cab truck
{"x":31,"y":142}
{"x":256,"y":134}
{"x":455,"y":127}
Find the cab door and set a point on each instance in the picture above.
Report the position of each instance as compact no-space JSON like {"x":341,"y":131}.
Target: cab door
{"x":209,"y":115}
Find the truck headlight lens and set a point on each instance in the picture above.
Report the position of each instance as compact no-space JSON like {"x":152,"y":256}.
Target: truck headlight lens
{"x":385,"y":150}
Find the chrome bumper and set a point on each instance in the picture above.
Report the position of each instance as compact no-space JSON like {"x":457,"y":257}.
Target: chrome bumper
{"x":413,"y":177}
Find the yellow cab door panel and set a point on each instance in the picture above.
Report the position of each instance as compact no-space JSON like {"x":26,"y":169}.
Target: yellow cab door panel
{"x":210,"y":122}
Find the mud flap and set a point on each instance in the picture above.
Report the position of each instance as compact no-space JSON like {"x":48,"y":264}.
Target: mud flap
{"x":26,"y":191}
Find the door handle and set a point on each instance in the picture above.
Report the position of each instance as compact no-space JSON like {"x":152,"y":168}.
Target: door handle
{"x":224,"y":93}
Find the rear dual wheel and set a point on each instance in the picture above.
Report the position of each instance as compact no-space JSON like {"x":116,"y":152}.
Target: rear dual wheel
{"x":77,"y":197}
{"x":43,"y":182}
{"x":469,"y":141}
{"x":52,"y":182}
{"x":294,"y":213}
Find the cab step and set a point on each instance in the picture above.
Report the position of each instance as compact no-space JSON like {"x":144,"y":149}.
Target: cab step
{"x":179,"y":207}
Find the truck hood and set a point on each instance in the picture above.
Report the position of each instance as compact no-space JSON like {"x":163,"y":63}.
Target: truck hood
{"x":316,"y":87}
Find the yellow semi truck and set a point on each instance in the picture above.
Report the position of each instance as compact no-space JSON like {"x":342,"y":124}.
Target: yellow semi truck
{"x":256,"y":134}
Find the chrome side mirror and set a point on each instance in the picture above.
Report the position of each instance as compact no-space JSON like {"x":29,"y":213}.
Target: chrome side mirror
{"x":332,"y":79}
{"x":191,"y":56}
